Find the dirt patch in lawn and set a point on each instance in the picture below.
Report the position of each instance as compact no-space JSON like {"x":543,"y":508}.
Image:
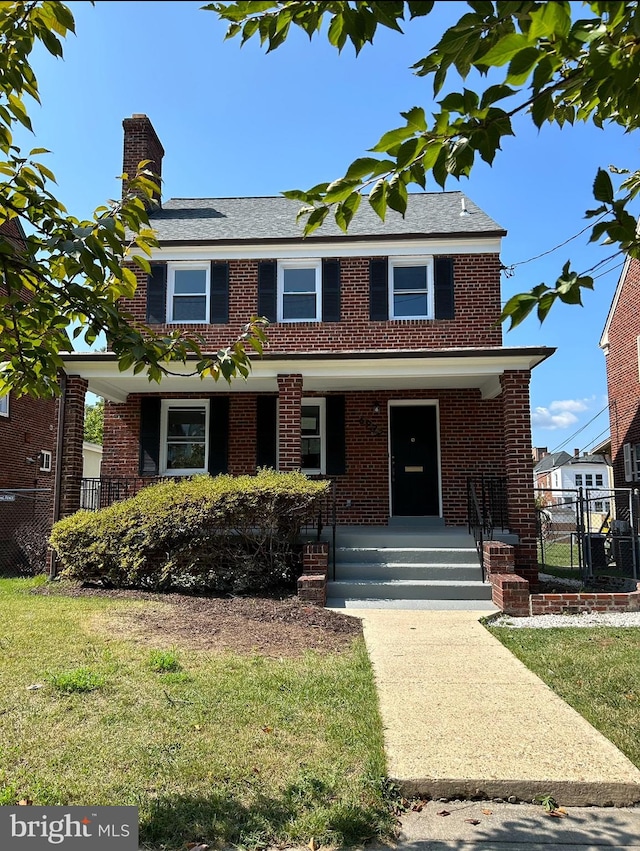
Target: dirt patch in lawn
{"x":269,"y":626}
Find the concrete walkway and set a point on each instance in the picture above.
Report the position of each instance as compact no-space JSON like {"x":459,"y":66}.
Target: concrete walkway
{"x":463,"y":718}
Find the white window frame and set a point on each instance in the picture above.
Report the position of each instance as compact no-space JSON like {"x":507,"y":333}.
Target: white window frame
{"x":45,"y":461}
{"x":578,"y":480}
{"x":165,"y":406}
{"x":321,"y":402}
{"x":4,"y":405}
{"x":316,"y":265}
{"x":600,"y":483}
{"x":425,"y":260}
{"x":172,"y":268}
{"x":588,"y":480}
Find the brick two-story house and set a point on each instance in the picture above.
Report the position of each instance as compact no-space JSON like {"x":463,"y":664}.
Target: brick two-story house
{"x":385,"y":369}
{"x":27,"y":458}
{"x":620,"y":342}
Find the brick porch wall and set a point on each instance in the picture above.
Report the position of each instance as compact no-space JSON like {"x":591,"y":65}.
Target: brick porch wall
{"x":517,"y":448}
{"x":289,"y":410}
{"x":73,"y":431}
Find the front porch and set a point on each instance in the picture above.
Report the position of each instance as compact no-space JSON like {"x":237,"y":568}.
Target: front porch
{"x":398,"y":433}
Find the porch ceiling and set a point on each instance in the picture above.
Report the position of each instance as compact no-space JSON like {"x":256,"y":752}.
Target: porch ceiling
{"x":380,"y":370}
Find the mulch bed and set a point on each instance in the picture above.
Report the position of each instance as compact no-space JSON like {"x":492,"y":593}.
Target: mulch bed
{"x":268,"y":626}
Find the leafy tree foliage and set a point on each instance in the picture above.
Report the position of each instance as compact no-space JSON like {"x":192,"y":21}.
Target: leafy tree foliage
{"x":58,"y":272}
{"x":556,"y":62}
{"x":94,"y":422}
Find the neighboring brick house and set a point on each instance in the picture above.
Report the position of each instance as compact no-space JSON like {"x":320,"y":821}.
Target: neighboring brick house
{"x":27,"y":456}
{"x":385,"y":369}
{"x":620,"y":342}
{"x":27,"y":425}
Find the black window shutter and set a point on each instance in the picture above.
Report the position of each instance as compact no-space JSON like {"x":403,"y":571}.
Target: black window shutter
{"x":335,"y":431}
{"x":266,"y":431}
{"x":331,"y":290}
{"x":149,"y":436}
{"x":157,"y":294}
{"x":219,"y":297}
{"x":378,"y":288}
{"x":267,"y":289}
{"x":443,"y":288}
{"x":218,"y":435}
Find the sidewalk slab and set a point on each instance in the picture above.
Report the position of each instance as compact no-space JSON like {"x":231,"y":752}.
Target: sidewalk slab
{"x":464,"y":718}
{"x":521,"y":827}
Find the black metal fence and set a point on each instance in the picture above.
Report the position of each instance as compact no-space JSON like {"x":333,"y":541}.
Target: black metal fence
{"x":25,"y":525}
{"x":589,"y":533}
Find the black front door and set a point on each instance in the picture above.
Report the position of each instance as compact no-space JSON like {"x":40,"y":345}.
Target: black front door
{"x":414,"y":461}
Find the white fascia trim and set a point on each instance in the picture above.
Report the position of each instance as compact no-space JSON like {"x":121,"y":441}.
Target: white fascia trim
{"x":311,"y":248}
{"x":604,"y":339}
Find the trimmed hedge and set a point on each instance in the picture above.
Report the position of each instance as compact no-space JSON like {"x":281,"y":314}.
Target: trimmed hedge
{"x":224,"y":534}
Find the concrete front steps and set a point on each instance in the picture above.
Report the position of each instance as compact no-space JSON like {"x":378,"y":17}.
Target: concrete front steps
{"x":407,"y":567}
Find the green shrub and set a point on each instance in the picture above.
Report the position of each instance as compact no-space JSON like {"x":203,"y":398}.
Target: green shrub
{"x":223,"y":534}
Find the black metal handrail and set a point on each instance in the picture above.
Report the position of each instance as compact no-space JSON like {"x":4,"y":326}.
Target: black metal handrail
{"x":486,"y":510}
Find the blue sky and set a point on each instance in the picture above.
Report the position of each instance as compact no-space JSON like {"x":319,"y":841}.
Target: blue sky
{"x":237,"y":122}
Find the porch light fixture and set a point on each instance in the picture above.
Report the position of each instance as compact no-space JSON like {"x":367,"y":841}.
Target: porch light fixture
{"x":376,"y":407}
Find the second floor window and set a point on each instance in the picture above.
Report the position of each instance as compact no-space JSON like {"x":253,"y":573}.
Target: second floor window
{"x":4,"y":405}
{"x":410,"y":292}
{"x":299,"y":290}
{"x":188,"y":292}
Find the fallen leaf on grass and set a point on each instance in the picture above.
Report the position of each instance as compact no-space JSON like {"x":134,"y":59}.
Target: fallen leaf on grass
{"x":313,"y":845}
{"x":443,"y":813}
{"x":25,"y":802}
{"x":196,"y":846}
{"x":417,"y":808}
{"x":35,"y":686}
{"x":267,"y":729}
{"x":472,"y":820}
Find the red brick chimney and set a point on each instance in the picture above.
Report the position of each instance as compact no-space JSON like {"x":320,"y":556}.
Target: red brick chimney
{"x":141,"y":143}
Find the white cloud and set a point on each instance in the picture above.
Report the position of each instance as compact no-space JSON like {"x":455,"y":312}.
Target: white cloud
{"x":561,"y":413}
{"x":545,"y":418}
{"x":574,"y":405}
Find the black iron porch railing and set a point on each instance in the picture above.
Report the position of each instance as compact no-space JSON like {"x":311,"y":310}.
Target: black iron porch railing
{"x":486,"y":510}
{"x":325,"y":522}
{"x":100,"y":493}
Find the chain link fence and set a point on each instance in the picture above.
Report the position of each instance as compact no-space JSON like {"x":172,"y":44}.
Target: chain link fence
{"x":589,"y":533}
{"x":25,"y":524}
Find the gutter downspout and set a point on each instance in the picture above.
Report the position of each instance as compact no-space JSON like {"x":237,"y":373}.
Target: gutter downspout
{"x":62,"y":402}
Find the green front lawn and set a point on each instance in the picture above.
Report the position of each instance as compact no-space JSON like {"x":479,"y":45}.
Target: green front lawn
{"x":593,"y":669}
{"x":212,"y":747}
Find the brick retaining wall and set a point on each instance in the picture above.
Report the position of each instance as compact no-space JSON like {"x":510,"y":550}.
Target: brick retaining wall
{"x":510,"y":592}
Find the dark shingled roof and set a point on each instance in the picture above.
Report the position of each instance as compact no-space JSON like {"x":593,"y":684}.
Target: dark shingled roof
{"x":229,"y":220}
{"x":551,"y":461}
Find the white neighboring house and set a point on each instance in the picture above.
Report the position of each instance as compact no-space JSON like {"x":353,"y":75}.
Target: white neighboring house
{"x":91,"y":464}
{"x":91,"y":460}
{"x":558,"y":475}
